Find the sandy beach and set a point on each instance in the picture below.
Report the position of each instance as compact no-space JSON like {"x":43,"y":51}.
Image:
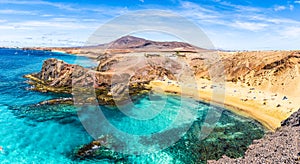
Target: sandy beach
{"x":266,"y":107}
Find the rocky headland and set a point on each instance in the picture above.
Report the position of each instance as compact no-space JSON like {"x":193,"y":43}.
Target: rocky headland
{"x":109,"y":83}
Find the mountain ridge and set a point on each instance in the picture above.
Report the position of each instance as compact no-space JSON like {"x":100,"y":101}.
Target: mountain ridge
{"x":133,"y":42}
{"x":125,"y":44}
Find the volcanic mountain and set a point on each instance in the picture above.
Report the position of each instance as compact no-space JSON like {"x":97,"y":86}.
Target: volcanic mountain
{"x":131,"y":42}
{"x":126,"y":44}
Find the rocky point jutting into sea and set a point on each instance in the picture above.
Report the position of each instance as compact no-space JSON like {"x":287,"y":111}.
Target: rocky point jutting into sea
{"x":259,"y":85}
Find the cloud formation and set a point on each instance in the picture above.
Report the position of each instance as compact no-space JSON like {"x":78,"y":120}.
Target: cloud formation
{"x":229,"y":25}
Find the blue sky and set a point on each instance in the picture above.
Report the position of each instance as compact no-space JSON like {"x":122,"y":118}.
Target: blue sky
{"x":230,"y":24}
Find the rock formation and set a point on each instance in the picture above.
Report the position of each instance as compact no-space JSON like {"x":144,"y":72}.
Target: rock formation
{"x":98,"y":149}
{"x":113,"y":84}
{"x":283,"y":146}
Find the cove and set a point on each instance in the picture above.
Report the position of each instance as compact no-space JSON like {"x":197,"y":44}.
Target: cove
{"x":50,"y":133}
{"x":231,"y":135}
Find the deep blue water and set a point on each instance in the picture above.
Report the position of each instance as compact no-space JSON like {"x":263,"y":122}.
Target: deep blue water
{"x":49,"y":134}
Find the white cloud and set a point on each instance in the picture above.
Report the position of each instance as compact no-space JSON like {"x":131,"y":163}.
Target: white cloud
{"x":238,"y":8}
{"x":47,"y":15}
{"x":17,"y":12}
{"x":193,"y":6}
{"x":237,"y":22}
{"x":272,"y":20}
{"x":50,"y":24}
{"x":252,"y":26}
{"x":290,"y":32}
{"x":241,"y":21}
{"x":279,"y":8}
{"x":39,"y":2}
{"x":73,"y":7}
{"x":199,"y":13}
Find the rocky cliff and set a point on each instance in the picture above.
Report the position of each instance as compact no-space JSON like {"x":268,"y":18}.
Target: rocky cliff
{"x":108,"y":86}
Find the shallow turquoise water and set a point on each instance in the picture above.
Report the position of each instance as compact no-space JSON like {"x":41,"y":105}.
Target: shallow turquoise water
{"x":25,"y":139}
{"x":49,"y":134}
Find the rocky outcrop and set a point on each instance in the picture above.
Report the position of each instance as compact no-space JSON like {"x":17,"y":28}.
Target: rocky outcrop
{"x":107,"y":87}
{"x":68,"y":100}
{"x":283,"y":146}
{"x":98,"y":149}
{"x":55,"y":76}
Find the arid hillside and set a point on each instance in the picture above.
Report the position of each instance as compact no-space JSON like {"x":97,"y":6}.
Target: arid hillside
{"x":275,"y":71}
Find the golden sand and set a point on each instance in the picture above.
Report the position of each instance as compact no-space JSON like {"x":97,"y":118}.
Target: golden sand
{"x":267,"y":108}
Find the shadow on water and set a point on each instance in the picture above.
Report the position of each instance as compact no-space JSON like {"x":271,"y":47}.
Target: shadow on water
{"x":63,"y":114}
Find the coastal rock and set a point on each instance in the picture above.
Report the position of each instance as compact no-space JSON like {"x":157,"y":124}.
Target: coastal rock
{"x":68,"y":100}
{"x":55,"y":76}
{"x":292,"y":121}
{"x":107,"y":87}
{"x":282,"y":146}
{"x":98,"y":149}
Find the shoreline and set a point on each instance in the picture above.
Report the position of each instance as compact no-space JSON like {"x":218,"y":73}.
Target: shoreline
{"x":261,"y":105}
{"x":266,"y":111}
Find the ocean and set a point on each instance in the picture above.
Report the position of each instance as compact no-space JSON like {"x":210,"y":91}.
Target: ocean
{"x":51,"y":133}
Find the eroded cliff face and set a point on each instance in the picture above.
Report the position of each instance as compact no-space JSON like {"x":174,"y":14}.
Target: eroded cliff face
{"x":275,"y":71}
{"x":107,"y":86}
{"x":259,"y":68}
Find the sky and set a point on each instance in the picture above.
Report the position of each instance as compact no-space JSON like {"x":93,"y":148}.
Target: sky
{"x":229,"y":24}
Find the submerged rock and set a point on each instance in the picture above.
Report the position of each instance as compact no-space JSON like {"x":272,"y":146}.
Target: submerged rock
{"x":282,"y":146}
{"x":98,"y":149}
{"x":41,"y":113}
{"x":69,"y":101}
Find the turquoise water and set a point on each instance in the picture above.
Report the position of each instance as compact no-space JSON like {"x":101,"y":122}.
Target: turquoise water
{"x":50,"y":134}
